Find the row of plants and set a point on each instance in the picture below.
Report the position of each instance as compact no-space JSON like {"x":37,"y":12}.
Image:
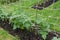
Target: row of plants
{"x":19,"y":19}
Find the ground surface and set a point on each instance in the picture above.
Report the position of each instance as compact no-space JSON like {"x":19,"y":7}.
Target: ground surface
{"x":5,"y":36}
{"x":50,"y":14}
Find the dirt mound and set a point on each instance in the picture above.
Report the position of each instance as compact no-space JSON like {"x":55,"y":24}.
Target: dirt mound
{"x":44,"y":4}
{"x":24,"y":34}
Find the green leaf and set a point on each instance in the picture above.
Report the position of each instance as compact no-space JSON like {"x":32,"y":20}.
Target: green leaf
{"x":44,"y":34}
{"x":27,"y":25}
{"x":14,"y":27}
{"x":55,"y":38}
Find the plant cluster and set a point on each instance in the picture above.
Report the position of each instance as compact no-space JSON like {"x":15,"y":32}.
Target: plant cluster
{"x":20,"y":20}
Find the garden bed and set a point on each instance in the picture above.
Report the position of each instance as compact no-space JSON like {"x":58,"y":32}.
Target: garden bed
{"x":20,"y":17}
{"x":24,"y":34}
